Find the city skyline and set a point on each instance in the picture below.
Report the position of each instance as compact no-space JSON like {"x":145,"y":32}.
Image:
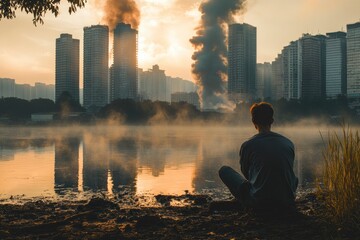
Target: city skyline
{"x":311,"y":16}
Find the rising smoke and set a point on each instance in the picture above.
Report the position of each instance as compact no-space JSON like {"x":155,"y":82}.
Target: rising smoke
{"x":210,"y":56}
{"x":115,"y":11}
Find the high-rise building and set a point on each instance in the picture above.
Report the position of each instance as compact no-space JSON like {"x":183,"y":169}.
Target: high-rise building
{"x":263,"y":80}
{"x":23,"y":91}
{"x":353,"y":60}
{"x":67,"y":66}
{"x":153,"y":84}
{"x":123,"y":81}
{"x":335,"y":64}
{"x":241,"y":61}
{"x":96,"y":66}
{"x":191,"y":98}
{"x":176,"y":84}
{"x":292,"y":55}
{"x":267,"y":80}
{"x":42,"y":90}
{"x":312,"y":51}
{"x":277,"y":78}
{"x":7,"y":87}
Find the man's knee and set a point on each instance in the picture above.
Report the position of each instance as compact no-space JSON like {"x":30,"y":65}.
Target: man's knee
{"x":223,"y":170}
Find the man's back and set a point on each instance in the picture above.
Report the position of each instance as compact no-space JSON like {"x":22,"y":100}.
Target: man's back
{"x":267,"y":163}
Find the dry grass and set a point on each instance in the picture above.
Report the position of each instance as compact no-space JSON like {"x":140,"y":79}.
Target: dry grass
{"x":341,"y":179}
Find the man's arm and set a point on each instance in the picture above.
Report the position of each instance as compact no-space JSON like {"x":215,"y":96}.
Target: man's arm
{"x":244,"y":161}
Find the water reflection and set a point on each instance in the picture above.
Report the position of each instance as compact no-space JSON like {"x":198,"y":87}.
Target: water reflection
{"x":154,"y":160}
{"x":66,"y":164}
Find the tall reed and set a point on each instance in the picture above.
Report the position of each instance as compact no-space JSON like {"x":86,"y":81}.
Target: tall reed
{"x":341,"y":179}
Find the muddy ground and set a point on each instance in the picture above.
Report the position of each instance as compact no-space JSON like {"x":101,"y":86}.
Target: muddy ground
{"x":198,"y":218}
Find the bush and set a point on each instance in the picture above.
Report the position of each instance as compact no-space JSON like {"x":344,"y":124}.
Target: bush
{"x":341,"y":179}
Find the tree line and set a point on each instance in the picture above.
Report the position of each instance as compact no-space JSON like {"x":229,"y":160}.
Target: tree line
{"x":142,"y":112}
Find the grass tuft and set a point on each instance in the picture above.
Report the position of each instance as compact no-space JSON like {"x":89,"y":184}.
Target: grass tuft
{"x":341,"y":178}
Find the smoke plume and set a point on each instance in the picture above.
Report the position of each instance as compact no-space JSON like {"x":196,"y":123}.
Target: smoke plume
{"x":116,"y":11}
{"x":210,"y":56}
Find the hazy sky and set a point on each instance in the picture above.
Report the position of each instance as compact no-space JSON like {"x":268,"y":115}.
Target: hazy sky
{"x":27,"y":53}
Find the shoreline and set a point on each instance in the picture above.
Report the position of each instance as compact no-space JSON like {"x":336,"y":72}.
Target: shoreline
{"x":101,"y":218}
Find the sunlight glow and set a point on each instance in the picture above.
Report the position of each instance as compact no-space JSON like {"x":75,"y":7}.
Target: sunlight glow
{"x":173,"y":180}
{"x":34,"y":173}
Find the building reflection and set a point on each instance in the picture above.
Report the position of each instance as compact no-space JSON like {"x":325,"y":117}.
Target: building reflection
{"x":95,"y":163}
{"x":152,"y":155}
{"x":212,"y":154}
{"x":123,"y":164}
{"x":66,"y":164}
{"x":6,"y":154}
{"x":109,"y":164}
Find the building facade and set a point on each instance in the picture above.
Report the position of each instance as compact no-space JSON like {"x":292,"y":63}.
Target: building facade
{"x":124,"y":76}
{"x":67,"y":66}
{"x":312,"y":70}
{"x":263,"y":80}
{"x":96,"y":66}
{"x":292,"y":61}
{"x":191,"y":98}
{"x":277,"y":78}
{"x":353,"y":60}
{"x":152,"y":84}
{"x":335,"y":64}
{"x":241,"y":61}
{"x":7,"y":87}
{"x":24,"y":91}
{"x":176,"y":84}
{"x":42,"y":90}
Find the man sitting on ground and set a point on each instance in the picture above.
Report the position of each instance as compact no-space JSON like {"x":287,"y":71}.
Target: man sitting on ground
{"x":266,"y":161}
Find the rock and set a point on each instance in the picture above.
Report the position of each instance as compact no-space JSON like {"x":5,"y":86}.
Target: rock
{"x":201,"y":200}
{"x":163,"y":199}
{"x":225,"y":206}
{"x":149,"y":221}
{"x":98,"y":204}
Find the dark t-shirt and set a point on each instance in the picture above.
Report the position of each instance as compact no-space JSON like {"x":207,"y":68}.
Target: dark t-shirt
{"x":267,"y":161}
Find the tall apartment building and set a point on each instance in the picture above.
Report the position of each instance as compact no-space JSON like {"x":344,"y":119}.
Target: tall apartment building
{"x":124,"y":78}
{"x":267,"y":80}
{"x":292,"y":67}
{"x":7,"y":87}
{"x":42,"y":90}
{"x":313,"y":66}
{"x":152,"y":84}
{"x":241,"y":61}
{"x":190,"y":97}
{"x":263,"y":80}
{"x":335,"y":64}
{"x":24,"y":91}
{"x":353,"y":60}
{"x":277,"y":78}
{"x":176,"y":84}
{"x":96,"y":66}
{"x":67,"y":66}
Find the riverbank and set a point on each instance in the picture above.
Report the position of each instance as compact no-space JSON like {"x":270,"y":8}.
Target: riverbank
{"x":198,"y":218}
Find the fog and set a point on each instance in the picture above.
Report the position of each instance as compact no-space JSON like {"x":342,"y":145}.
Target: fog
{"x":63,"y":161}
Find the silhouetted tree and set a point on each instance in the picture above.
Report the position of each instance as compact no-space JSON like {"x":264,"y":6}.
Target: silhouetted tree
{"x":66,"y":104}
{"x":141,"y":112}
{"x":36,"y":8}
{"x":42,"y":105}
{"x":15,"y":108}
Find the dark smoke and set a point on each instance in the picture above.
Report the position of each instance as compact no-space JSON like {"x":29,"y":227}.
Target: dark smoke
{"x":125,"y":11}
{"x":210,"y":56}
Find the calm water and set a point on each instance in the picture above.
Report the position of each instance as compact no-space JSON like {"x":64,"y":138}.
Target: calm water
{"x":72,"y":161}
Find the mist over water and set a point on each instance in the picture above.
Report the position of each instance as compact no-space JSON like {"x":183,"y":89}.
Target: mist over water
{"x":70,"y":161}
